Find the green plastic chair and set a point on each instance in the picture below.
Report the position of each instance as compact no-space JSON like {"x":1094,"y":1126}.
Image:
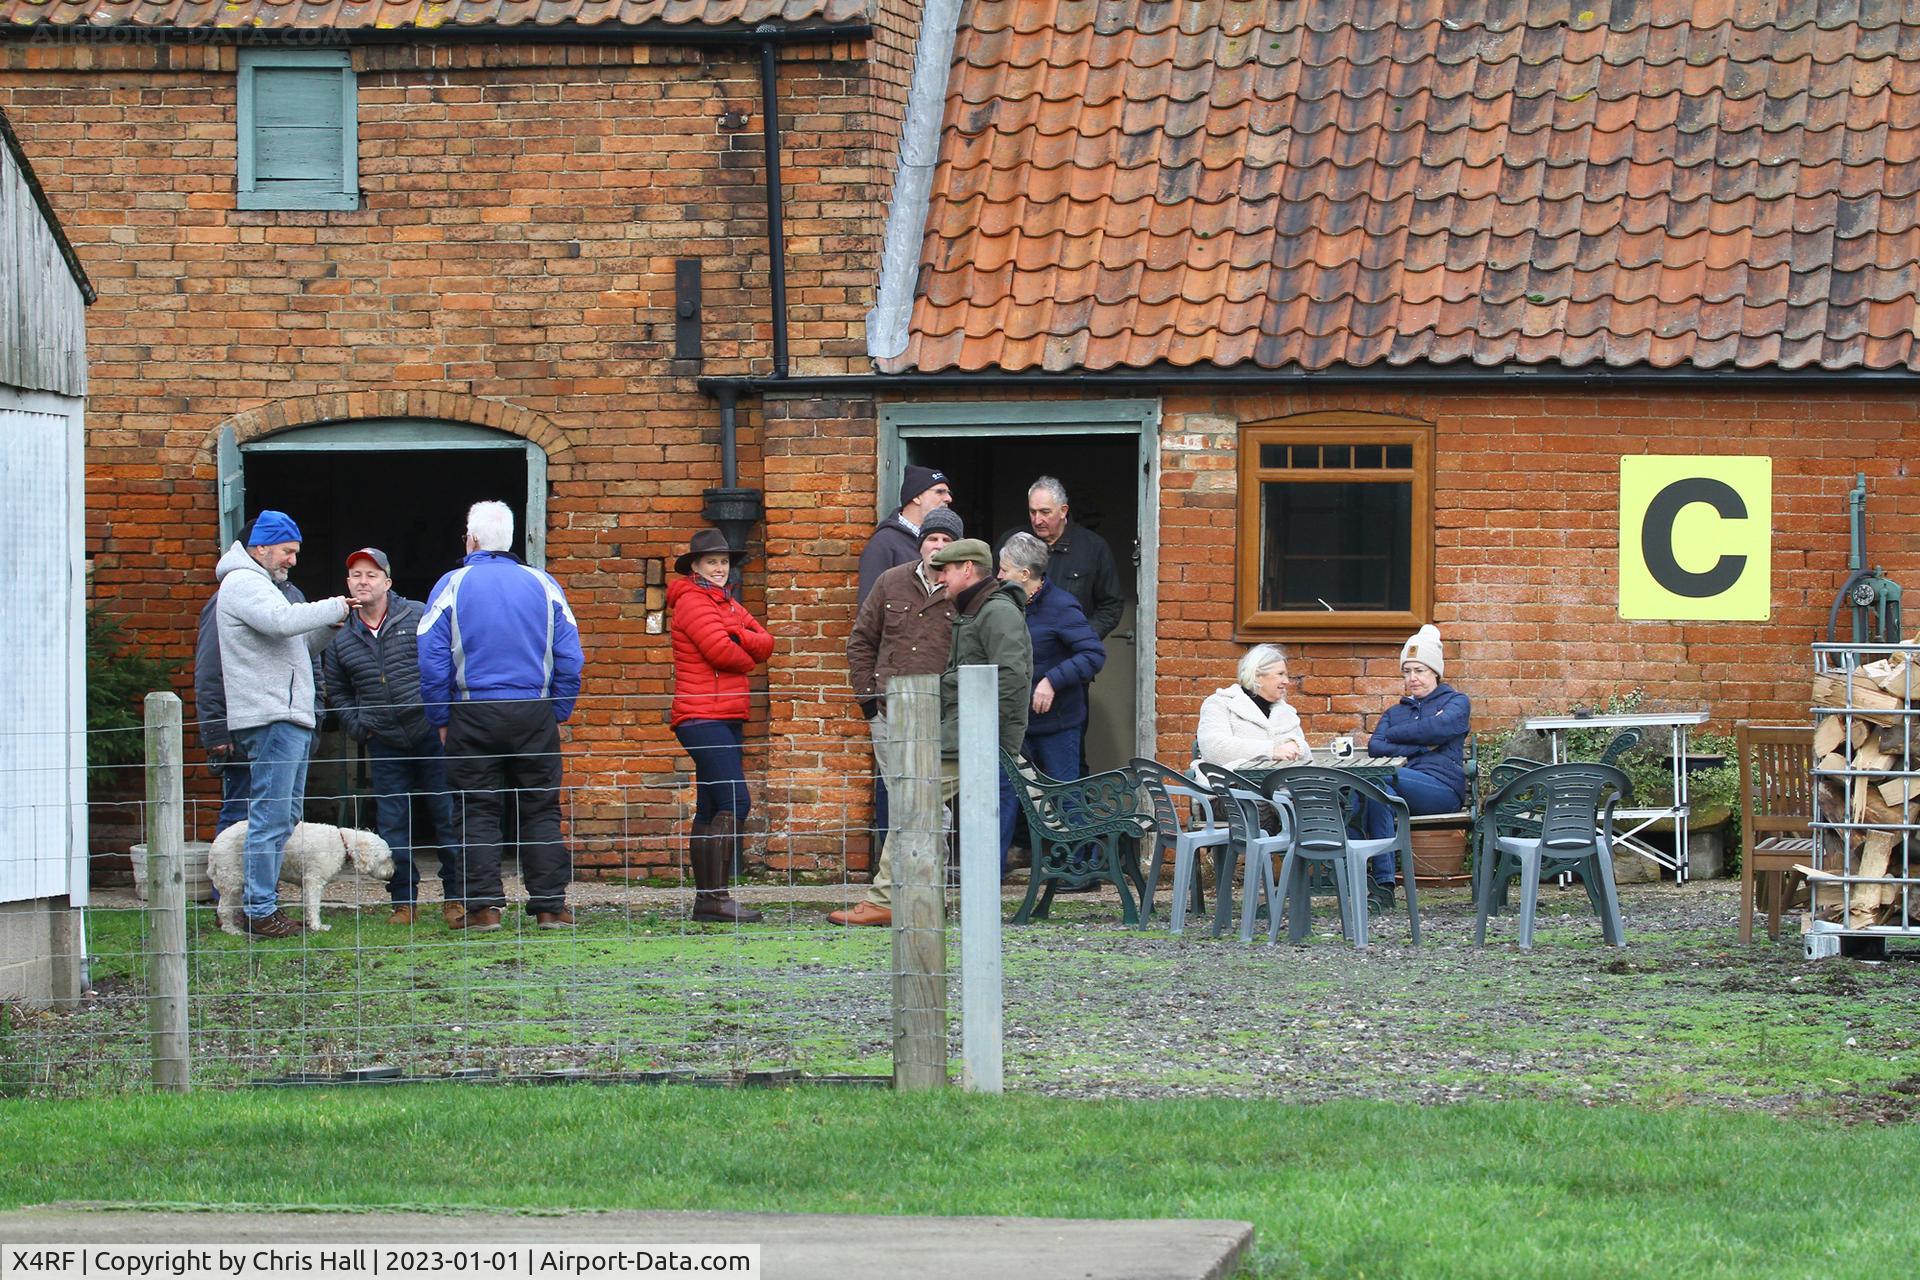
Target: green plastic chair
{"x":1321,"y":800}
{"x":1182,"y":835}
{"x":1576,"y":803}
{"x":1250,"y":843}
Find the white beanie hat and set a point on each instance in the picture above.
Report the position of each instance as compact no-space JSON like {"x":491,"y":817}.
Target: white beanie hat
{"x":1424,"y":646}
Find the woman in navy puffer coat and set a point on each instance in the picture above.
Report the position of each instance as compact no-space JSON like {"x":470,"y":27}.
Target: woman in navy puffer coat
{"x":1066,"y":657}
{"x":1429,"y":727}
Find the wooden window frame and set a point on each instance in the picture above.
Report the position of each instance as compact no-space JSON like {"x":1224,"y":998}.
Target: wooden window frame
{"x":1251,"y":623}
{"x":304,"y":195}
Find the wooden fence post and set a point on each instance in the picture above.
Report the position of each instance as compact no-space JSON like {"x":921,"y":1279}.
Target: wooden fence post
{"x":166,"y":896}
{"x":916,"y":847}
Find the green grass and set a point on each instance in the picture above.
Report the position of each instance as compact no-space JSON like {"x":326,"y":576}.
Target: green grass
{"x":1360,"y":1189}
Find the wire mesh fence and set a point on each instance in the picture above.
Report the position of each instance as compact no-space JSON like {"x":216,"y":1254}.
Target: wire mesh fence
{"x":635,"y":988}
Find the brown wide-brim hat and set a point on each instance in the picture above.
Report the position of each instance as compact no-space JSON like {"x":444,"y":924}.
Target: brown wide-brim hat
{"x":704,"y":543}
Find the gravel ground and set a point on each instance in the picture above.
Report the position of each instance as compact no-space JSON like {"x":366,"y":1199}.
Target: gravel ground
{"x":1683,"y":1014}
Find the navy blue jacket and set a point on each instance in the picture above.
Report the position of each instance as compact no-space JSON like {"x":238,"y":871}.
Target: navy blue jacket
{"x":373,"y":681}
{"x":1066,"y":653}
{"x":1431,"y":733}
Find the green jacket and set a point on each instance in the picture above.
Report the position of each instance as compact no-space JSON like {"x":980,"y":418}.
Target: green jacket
{"x":991,"y":628}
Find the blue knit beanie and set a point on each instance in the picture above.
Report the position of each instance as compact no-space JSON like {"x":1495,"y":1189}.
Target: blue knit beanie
{"x":270,"y":528}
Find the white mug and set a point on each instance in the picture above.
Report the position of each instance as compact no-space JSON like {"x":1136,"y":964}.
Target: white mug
{"x":1342,"y":748}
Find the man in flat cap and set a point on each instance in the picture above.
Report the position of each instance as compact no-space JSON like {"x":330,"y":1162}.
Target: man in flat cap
{"x":267,"y":670}
{"x":989,"y":627}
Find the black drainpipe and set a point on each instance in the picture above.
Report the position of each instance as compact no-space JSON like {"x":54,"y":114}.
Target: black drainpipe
{"x":732,"y":509}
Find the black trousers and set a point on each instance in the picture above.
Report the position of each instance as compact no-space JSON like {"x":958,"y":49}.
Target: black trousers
{"x":494,"y":748}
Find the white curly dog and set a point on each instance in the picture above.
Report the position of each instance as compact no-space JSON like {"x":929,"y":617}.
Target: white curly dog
{"x":315,"y":853}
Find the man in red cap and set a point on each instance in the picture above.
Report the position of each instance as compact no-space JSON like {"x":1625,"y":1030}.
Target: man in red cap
{"x":372,"y":675}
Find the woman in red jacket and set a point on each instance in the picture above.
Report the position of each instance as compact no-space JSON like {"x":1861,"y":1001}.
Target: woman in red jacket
{"x":716,"y":645}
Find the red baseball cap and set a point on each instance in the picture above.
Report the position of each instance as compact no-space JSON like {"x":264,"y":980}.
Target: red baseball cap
{"x":374,"y":554}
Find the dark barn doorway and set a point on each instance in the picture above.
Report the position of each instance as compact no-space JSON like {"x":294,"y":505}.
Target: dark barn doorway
{"x":411,"y":503}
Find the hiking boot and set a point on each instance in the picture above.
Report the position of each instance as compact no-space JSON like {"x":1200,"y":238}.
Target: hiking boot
{"x":277,"y":925}
{"x":1380,"y":896}
{"x":561,"y":919}
{"x":454,"y":913}
{"x":480,"y":920}
{"x":403,"y":913}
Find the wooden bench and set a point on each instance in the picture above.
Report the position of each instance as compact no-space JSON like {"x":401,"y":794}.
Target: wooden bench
{"x":1776,"y":810}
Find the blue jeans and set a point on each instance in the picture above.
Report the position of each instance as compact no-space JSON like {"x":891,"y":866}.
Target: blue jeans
{"x":400,"y":778}
{"x":277,"y":791}
{"x":719,"y":767}
{"x":235,"y":783}
{"x":1423,"y":793}
{"x":1055,"y":754}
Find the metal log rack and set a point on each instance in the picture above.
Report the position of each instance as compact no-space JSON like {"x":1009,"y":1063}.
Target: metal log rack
{"x":1838,"y":837}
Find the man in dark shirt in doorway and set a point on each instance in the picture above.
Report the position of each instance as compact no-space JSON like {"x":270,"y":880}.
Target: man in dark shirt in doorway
{"x":1078,"y":559}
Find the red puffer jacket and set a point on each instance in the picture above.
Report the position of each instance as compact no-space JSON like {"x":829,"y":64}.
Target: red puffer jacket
{"x":716,"y":644}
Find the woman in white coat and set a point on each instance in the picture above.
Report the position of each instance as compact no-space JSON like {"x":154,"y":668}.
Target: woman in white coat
{"x":1251,"y":720}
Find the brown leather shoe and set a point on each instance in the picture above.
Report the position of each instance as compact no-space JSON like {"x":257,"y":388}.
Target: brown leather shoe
{"x":483,"y":920}
{"x":561,"y":919}
{"x":454,"y":914}
{"x":278,"y":925}
{"x":405,"y":913}
{"x":862,"y":913}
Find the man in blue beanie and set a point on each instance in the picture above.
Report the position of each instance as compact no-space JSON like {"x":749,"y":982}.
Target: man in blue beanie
{"x":267,"y":670}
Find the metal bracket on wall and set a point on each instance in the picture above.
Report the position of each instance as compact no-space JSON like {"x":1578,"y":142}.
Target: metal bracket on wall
{"x":686,"y":309}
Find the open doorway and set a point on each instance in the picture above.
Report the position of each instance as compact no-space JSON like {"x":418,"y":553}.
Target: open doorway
{"x":1103,"y":454}
{"x":412,"y":504}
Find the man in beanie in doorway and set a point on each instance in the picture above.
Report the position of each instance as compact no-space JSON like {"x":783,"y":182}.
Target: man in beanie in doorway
{"x":897,"y":539}
{"x":1429,"y":727}
{"x":989,"y":627}
{"x":267,"y":673}
{"x":904,"y":628}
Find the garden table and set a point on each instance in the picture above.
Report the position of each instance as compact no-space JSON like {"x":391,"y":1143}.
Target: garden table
{"x":1676,"y":723}
{"x":1372,"y":768}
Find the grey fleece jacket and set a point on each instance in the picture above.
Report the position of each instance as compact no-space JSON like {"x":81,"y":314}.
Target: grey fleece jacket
{"x":265,"y":662}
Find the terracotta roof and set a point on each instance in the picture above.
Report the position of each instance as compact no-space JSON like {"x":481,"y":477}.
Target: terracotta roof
{"x":1665,"y":183}
{"x":356,"y":14}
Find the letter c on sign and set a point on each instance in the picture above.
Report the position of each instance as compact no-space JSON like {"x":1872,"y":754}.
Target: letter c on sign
{"x":1656,"y":537}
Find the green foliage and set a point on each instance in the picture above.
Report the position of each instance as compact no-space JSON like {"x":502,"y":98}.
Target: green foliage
{"x":120,"y":674}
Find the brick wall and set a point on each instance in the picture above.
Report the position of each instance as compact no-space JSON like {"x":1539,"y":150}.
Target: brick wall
{"x":513,"y":267}
{"x":1526,"y":549}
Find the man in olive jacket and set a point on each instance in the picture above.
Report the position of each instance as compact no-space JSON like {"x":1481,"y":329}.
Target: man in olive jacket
{"x":989,"y":627}
{"x":372,"y":677}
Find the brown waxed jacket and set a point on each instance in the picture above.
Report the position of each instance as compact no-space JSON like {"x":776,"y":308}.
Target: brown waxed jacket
{"x":901,"y":630}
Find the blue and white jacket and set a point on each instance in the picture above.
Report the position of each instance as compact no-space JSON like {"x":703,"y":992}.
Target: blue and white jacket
{"x":498,"y":630}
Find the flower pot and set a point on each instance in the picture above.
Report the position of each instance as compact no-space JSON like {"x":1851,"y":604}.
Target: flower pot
{"x":194,"y":871}
{"x":1439,"y":856}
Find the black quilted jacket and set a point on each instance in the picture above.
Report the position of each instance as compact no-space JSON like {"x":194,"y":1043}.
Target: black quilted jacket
{"x":373,"y":682}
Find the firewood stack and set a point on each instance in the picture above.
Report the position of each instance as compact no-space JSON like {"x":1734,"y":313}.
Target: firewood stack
{"x":1856,"y":760}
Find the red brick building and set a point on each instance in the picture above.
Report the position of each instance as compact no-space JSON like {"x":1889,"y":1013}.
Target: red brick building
{"x":1455,"y":261}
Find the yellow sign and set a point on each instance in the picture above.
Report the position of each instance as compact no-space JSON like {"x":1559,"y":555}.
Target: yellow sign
{"x":1696,"y":538}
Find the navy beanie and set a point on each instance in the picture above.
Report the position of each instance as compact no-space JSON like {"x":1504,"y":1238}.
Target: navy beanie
{"x":270,"y":528}
{"x":917,"y":481}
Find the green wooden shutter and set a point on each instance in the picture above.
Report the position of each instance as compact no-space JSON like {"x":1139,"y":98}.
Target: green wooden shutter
{"x":299,"y":135}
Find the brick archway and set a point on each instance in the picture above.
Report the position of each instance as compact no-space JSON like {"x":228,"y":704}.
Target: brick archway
{"x":443,"y":406}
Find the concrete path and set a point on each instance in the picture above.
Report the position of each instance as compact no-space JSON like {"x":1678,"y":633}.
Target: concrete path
{"x":792,"y":1246}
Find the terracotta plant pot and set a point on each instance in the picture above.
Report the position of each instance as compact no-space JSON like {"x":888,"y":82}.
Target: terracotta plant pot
{"x":1439,"y":857}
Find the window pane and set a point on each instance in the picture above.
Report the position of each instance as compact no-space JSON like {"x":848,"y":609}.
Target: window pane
{"x":1400,"y":455}
{"x":1347,"y":545}
{"x":1306,"y":456}
{"x":1367,"y":456}
{"x":1336,"y":455}
{"x":1273,"y":455}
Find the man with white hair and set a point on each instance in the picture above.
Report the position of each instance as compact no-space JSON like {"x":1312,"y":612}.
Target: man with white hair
{"x":266,"y":671}
{"x":1078,"y":559}
{"x":499,"y":673}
